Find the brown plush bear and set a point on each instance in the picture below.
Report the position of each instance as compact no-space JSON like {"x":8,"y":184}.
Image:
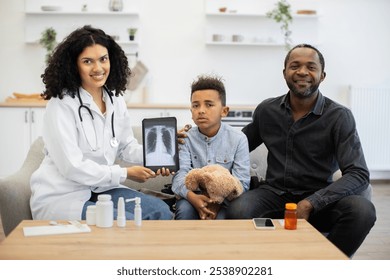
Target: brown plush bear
{"x":215,"y":182}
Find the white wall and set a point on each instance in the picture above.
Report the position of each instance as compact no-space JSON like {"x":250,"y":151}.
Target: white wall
{"x":353,"y":35}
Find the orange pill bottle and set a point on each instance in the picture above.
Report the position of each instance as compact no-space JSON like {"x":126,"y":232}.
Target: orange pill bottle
{"x":290,"y":216}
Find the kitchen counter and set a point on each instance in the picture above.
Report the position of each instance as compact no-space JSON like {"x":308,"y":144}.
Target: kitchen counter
{"x":24,"y":104}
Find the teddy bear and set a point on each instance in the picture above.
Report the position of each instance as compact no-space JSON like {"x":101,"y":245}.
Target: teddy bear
{"x":216,"y":182}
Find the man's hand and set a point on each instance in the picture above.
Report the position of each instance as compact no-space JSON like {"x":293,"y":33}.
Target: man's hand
{"x":181,"y":134}
{"x":304,"y":209}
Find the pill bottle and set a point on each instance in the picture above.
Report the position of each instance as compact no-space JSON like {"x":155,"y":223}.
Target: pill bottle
{"x":104,"y":211}
{"x":290,"y":216}
{"x":91,"y":215}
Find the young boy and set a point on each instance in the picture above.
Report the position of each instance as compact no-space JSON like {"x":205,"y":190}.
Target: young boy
{"x":211,"y":142}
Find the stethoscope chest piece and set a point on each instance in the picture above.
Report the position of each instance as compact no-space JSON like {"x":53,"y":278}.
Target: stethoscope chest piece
{"x":114,"y":142}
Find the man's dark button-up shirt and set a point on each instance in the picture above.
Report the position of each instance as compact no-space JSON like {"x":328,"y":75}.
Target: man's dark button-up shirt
{"x":303,"y":155}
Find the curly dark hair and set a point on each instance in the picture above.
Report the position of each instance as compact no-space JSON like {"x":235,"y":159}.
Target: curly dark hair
{"x":204,"y":82}
{"x":61,"y":75}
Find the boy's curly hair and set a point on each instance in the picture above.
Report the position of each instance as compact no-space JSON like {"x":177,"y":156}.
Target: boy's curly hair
{"x":61,"y":76}
{"x":213,"y":82}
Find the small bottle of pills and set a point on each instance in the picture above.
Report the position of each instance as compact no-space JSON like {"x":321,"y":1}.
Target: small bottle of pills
{"x":290,"y":216}
{"x":104,"y":211}
{"x":91,"y":215}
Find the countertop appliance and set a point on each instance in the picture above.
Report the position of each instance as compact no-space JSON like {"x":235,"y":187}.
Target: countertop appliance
{"x":238,"y":118}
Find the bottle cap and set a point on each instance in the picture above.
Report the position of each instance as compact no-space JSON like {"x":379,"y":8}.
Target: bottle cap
{"x":291,"y":206}
{"x":91,"y":208}
{"x":136,"y":199}
{"x":104,"y":197}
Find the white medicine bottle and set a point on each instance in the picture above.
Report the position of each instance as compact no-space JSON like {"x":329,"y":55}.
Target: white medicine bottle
{"x":104,"y":211}
{"x":91,"y":215}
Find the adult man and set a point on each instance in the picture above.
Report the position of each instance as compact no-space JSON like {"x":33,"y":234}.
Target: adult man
{"x":309,"y":137}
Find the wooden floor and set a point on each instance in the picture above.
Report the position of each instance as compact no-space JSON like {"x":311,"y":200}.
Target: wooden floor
{"x":377,"y":244}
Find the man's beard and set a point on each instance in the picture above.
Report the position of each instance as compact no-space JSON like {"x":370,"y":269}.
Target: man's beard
{"x":303,"y":93}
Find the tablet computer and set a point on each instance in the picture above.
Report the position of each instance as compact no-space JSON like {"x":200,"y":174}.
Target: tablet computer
{"x":160,"y":147}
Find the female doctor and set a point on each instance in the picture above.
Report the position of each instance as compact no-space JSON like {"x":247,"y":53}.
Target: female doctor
{"x":86,"y":128}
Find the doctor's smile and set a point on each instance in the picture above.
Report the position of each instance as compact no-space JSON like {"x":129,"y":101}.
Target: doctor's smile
{"x":98,"y":76}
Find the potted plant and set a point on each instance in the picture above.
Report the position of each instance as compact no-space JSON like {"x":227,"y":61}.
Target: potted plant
{"x":132,"y":32}
{"x":48,"y":41}
{"x":282,"y":14}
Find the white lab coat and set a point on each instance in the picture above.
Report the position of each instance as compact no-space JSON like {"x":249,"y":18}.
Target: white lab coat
{"x":70,"y":169}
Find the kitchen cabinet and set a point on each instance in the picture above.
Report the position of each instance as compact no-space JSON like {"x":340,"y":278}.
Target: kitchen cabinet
{"x":68,"y":16}
{"x":20,"y":126}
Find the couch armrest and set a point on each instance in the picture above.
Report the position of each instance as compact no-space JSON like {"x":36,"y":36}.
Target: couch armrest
{"x":15,"y":190}
{"x":14,"y":200}
{"x":258,"y":162}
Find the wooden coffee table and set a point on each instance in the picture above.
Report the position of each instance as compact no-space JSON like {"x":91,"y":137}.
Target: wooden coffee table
{"x":184,"y":240}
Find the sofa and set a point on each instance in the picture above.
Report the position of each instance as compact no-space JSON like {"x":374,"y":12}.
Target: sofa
{"x":15,"y":189}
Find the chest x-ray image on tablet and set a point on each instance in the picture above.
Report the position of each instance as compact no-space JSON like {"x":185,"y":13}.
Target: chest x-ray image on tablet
{"x":160,"y":143}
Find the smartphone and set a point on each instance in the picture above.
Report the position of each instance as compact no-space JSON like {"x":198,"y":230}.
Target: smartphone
{"x":263,"y":223}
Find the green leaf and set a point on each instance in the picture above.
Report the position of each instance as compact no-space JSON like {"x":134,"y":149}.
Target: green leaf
{"x":48,"y":41}
{"x":282,"y":14}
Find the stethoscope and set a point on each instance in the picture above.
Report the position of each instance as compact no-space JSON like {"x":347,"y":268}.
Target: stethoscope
{"x":113,"y":142}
